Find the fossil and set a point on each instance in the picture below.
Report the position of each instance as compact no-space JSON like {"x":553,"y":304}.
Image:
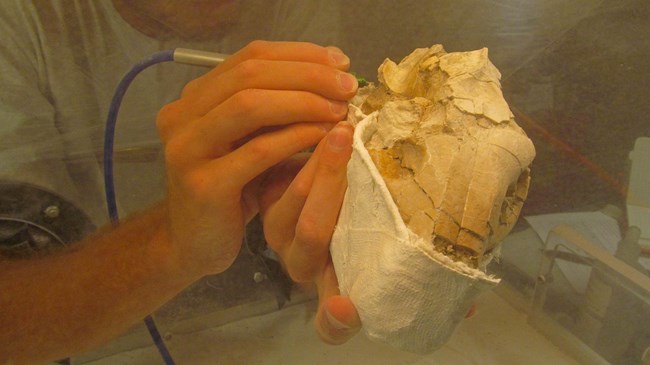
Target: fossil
{"x":438,"y":175}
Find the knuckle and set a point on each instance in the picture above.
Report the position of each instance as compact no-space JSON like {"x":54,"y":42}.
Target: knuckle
{"x":317,"y":106}
{"x":174,"y":152}
{"x":333,"y":169}
{"x":247,"y":99}
{"x":195,"y":184}
{"x":190,"y":87}
{"x":300,"y":188}
{"x":260,"y":147}
{"x":199,"y":185}
{"x":299,"y":275}
{"x":165,"y":120}
{"x":314,"y":75}
{"x":312,"y":236}
{"x":257,"y":49}
{"x":304,"y":135}
{"x":248,"y":69}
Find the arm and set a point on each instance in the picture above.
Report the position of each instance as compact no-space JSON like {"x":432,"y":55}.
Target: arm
{"x":71,"y":301}
{"x":263,"y":105}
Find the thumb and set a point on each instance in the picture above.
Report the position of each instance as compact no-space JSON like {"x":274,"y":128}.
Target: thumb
{"x":337,"y":319}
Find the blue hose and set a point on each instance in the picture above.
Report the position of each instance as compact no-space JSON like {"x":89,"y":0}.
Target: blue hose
{"x":111,"y":121}
{"x":109,"y":183}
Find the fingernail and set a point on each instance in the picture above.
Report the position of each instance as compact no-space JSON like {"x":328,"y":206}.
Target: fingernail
{"x":338,"y":58}
{"x":347,"y":81}
{"x":335,"y":323}
{"x":339,"y":138}
{"x":338,"y":107}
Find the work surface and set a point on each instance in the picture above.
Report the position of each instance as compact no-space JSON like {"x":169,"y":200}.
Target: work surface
{"x":497,"y":334}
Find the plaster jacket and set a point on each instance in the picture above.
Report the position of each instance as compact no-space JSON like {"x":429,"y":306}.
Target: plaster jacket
{"x":438,"y":175}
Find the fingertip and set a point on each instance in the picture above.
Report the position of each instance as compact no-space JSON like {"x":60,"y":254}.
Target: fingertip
{"x":339,"y":108}
{"x":343,"y":309}
{"x":338,"y":58}
{"x":348,"y":83}
{"x":340,"y":137}
{"x":334,"y":48}
{"x":338,"y":320}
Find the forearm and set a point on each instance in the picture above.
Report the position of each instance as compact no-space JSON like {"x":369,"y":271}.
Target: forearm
{"x":66,"y":303}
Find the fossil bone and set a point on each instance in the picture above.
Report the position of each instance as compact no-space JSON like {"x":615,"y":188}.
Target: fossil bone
{"x":449,"y":150}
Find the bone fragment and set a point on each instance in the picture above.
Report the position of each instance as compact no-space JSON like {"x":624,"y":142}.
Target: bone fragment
{"x":453,"y":158}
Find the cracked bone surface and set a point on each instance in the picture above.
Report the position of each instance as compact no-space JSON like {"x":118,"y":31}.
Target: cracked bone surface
{"x":447,"y":145}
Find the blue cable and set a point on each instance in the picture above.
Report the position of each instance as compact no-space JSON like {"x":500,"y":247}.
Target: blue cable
{"x":109,"y":183}
{"x":111,"y":121}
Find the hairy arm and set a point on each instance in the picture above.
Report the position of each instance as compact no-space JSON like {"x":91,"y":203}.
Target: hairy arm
{"x":71,"y":301}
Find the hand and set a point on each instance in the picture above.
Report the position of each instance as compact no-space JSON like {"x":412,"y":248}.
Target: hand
{"x":264,"y":104}
{"x":299,"y":215}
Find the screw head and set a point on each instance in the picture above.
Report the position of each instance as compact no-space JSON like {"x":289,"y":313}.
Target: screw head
{"x":52,"y":211}
{"x":258,"y":277}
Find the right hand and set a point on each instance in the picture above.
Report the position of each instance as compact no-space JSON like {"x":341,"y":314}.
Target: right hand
{"x":263,"y":105}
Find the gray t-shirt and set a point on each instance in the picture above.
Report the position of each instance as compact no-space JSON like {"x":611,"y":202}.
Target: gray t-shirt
{"x":61,"y":60}
{"x":59,"y":64}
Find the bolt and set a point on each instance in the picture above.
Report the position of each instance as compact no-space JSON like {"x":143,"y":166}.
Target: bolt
{"x":258,"y":277}
{"x":52,"y":211}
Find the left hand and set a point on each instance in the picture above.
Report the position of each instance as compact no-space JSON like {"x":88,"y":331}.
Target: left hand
{"x":299,"y":215}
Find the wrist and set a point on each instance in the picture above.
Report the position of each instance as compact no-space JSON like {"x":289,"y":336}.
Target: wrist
{"x":170,"y":252}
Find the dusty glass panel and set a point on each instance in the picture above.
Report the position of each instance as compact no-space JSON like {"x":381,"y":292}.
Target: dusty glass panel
{"x":575,"y":75}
